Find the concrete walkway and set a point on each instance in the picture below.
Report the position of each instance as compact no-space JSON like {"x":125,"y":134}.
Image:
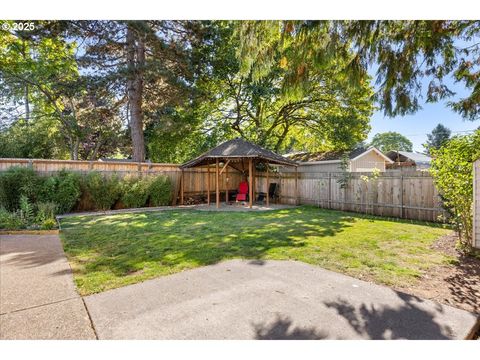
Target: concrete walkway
{"x":269,"y":300}
{"x":231,"y":300}
{"x":38,"y":299}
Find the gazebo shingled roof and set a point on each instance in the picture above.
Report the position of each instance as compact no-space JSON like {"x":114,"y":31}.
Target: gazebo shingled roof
{"x":238,"y":148}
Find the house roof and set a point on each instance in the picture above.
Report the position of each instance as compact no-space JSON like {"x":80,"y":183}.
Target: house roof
{"x":334,"y":155}
{"x":324,"y":156}
{"x":238,"y":149}
{"x":416,"y":157}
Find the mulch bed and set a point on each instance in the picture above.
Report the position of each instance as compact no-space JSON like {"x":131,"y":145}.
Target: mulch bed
{"x":456,"y":284}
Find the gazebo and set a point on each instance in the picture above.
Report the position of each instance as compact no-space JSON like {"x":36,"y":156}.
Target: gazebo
{"x":242,"y":156}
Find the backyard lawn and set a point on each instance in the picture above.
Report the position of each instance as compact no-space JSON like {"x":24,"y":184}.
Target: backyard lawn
{"x":111,"y":251}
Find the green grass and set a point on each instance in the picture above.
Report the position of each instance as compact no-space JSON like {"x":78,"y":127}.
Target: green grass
{"x":111,"y":251}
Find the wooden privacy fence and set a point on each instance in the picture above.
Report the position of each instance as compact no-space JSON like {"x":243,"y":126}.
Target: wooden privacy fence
{"x":407,"y":195}
{"x":476,"y":204}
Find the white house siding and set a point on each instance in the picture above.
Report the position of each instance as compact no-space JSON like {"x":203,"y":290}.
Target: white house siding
{"x":476,"y":205}
{"x":368,"y":162}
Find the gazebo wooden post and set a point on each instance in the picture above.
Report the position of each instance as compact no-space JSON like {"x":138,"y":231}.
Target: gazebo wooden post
{"x":208,"y":184}
{"x":226,"y":185}
{"x":254,"y":179}
{"x":217,"y":184}
{"x":250,"y":182}
{"x":296,"y":185}
{"x":182,"y":185}
{"x":268,"y":186}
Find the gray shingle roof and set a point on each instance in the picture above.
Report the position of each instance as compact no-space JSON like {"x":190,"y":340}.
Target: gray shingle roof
{"x":238,"y":148}
{"x":326,"y":156}
{"x":416,"y":157}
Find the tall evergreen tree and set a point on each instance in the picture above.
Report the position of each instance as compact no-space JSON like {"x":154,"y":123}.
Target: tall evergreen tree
{"x":439,"y":135}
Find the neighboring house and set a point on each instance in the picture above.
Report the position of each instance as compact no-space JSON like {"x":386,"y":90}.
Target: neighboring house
{"x":405,"y":160}
{"x":359,"y":160}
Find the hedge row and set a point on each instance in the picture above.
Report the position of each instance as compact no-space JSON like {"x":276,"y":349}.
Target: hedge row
{"x":65,"y":189}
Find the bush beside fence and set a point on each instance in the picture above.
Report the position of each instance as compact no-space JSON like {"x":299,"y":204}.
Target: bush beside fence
{"x":405,"y":195}
{"x":29,"y":199}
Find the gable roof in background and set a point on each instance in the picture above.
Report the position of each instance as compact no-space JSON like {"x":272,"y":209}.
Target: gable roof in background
{"x":334,"y":156}
{"x":415,"y":157}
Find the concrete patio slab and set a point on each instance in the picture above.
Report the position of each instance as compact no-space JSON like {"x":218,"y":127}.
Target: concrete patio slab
{"x":38,"y":299}
{"x":269,"y":300}
{"x":66,"y":320}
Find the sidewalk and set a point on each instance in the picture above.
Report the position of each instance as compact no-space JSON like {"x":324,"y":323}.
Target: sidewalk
{"x":37,"y":295}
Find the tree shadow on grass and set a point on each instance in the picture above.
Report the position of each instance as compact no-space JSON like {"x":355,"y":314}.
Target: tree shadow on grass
{"x":195,"y":238}
{"x":380,"y":322}
{"x":282,"y":329}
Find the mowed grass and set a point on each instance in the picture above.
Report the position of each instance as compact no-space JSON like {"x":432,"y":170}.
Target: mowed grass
{"x":111,"y":251}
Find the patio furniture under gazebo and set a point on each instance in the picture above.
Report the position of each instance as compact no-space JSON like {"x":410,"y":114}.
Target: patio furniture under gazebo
{"x":242,"y":156}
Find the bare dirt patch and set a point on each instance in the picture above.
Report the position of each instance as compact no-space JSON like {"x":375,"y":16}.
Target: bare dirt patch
{"x":456,"y":284}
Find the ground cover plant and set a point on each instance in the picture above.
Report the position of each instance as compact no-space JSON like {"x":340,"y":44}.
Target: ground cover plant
{"x":111,"y":251}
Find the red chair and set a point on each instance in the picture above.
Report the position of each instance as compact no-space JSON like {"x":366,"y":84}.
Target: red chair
{"x":242,"y":191}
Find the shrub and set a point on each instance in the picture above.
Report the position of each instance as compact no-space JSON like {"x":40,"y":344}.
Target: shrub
{"x":10,"y":220}
{"x":67,"y":191}
{"x":48,"y":224}
{"x":14,"y":183}
{"x":62,"y":189}
{"x":135,"y":192}
{"x":103,"y":190}
{"x":48,"y":188}
{"x":452,"y":169}
{"x":26,"y":209}
{"x":45,"y":210}
{"x":160,"y":191}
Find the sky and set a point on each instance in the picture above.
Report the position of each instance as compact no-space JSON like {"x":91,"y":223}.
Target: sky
{"x":416,"y":126}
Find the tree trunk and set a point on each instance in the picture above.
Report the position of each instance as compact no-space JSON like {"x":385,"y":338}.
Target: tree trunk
{"x":76,"y":147}
{"x":27,"y":105}
{"x":26,"y":93}
{"x":136,"y":62}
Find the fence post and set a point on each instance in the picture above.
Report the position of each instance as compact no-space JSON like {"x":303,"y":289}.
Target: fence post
{"x":296,"y":185}
{"x":401,"y":197}
{"x":329,"y":190}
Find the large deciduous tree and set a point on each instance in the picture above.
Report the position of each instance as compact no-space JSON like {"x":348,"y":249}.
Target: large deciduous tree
{"x":331,"y":114}
{"x":391,"y":140}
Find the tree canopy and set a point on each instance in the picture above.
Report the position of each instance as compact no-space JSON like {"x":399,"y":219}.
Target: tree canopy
{"x":169,"y":90}
{"x":403,"y":52}
{"x":439,"y":136}
{"x":391,"y":140}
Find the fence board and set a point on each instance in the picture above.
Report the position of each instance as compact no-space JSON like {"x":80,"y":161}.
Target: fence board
{"x":406,"y":195}
{"x":476,"y":204}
